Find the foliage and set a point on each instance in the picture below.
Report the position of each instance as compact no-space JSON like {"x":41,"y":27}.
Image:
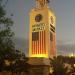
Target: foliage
{"x":6,"y":34}
{"x":58,"y":66}
{"x":19,"y":64}
{"x":7,"y":49}
{"x":10,"y":59}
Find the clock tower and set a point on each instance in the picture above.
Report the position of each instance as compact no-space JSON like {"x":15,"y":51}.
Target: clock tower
{"x":42,"y":34}
{"x":42,"y":38}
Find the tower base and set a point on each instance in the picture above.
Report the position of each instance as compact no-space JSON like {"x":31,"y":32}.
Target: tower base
{"x":39,"y":66}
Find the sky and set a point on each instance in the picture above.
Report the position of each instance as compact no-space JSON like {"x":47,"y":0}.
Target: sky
{"x":65,"y":18}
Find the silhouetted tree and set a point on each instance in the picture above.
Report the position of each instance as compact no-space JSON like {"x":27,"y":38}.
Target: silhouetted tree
{"x":17,"y":60}
{"x":58,"y":66}
{"x":6,"y":35}
{"x":21,"y":64}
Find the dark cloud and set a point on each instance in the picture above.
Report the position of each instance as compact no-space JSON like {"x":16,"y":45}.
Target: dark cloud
{"x":62,"y":48}
{"x":22,"y":44}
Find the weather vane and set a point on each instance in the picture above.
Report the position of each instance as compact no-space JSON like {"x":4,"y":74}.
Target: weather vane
{"x":42,"y":3}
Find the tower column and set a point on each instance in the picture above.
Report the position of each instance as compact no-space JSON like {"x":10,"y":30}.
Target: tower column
{"x":39,"y":66}
{"x":41,"y":39}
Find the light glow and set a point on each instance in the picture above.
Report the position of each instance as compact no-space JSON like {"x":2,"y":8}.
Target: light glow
{"x":39,"y":55}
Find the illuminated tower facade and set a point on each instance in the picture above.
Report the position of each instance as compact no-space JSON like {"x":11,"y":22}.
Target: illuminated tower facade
{"x":42,"y":38}
{"x":42,"y":34}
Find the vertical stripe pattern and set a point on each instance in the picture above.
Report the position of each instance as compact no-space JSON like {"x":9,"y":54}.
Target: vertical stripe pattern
{"x":39,"y":45}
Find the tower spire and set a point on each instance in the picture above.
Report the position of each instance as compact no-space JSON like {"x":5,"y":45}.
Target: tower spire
{"x":42,"y":3}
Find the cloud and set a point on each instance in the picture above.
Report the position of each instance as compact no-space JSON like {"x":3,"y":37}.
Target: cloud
{"x":65,"y":42}
{"x":63,"y":47}
{"x":66,"y":49}
{"x":22,"y":44}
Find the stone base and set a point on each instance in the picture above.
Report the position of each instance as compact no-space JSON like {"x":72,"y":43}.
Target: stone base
{"x":39,"y":66}
{"x":39,"y":70}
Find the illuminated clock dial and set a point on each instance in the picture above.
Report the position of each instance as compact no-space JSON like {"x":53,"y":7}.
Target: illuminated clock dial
{"x":38,"y":18}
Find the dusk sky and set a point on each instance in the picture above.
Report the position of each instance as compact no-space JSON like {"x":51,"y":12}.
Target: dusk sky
{"x":65,"y":18}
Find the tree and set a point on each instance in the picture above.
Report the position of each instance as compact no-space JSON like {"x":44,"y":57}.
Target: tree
{"x":58,"y":66}
{"x":6,"y":35}
{"x":17,"y":60}
{"x":21,"y":64}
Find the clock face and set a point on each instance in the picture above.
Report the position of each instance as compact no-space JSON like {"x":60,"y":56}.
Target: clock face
{"x":38,"y":17}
